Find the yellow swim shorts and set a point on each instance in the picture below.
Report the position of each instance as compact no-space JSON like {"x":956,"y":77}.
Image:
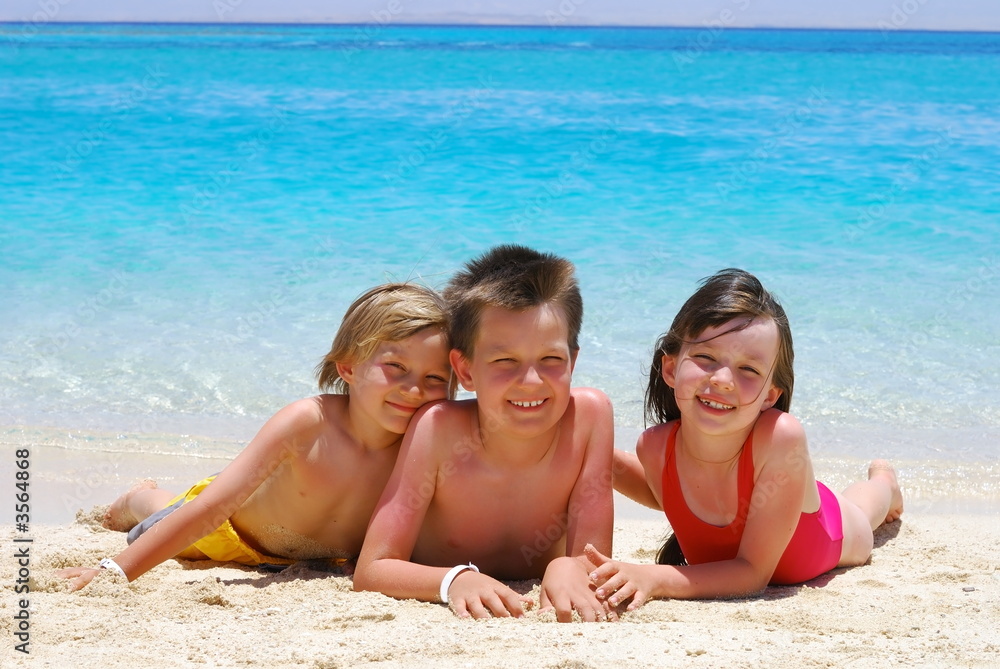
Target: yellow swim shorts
{"x":224,"y":544}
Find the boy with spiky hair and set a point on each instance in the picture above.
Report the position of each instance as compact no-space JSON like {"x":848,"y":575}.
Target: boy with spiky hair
{"x":514,"y":483}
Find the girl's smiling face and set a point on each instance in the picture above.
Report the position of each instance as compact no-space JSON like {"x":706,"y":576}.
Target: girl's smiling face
{"x":724,"y":378}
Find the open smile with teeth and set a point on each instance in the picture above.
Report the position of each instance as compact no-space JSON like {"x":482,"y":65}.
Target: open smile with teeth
{"x":715,"y":405}
{"x":525,"y":405}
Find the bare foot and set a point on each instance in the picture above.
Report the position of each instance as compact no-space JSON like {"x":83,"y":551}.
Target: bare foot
{"x":881,"y":469}
{"x":118,"y":516}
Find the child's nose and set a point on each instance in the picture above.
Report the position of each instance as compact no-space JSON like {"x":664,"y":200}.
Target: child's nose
{"x":723,"y":377}
{"x":531,"y":376}
{"x":411,"y":388}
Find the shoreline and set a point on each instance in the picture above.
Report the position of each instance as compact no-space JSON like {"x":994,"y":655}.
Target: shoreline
{"x":930,"y":596}
{"x":78,"y":469}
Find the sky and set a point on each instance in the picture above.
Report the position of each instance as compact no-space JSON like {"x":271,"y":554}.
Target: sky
{"x":871,"y":14}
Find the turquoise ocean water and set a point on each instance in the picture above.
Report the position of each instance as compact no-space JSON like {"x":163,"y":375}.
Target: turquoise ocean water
{"x":186,"y":211}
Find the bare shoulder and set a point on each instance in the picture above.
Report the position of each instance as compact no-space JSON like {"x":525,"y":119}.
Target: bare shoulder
{"x":590,"y":398}
{"x":440,"y":413}
{"x":310,"y":418}
{"x":591,"y":408}
{"x":779,"y":434}
{"x":652,"y":441}
{"x":292,"y":430}
{"x":321,"y":403}
{"x":317,"y":413}
{"x":590,"y":414}
{"x":307,"y":413}
{"x":437,"y":424}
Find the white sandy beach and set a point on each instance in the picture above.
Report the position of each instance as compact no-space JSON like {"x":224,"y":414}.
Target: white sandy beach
{"x":929,"y":597}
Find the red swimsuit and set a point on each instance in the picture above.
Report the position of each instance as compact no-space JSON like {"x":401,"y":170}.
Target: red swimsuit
{"x":813,"y":550}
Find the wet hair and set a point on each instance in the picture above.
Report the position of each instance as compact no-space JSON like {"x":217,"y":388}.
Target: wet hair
{"x":515,"y":278}
{"x":390,"y":312}
{"x":726,"y":295}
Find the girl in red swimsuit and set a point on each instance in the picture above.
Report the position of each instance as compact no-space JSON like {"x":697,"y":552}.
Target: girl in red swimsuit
{"x":729,"y":465}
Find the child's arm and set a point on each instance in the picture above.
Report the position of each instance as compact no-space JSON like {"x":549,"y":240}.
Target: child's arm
{"x":384,"y":564}
{"x":566,"y":583}
{"x":630,"y":479}
{"x":638,"y":475}
{"x":780,"y":448}
{"x":294,"y":427}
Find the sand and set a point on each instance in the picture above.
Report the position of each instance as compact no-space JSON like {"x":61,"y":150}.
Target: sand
{"x":930,"y":596}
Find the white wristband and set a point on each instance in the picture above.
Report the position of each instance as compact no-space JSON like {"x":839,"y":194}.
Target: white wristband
{"x":108,"y":563}
{"x":450,"y":576}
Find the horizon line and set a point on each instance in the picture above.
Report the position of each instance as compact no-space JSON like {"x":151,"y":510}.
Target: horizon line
{"x":491,"y":25}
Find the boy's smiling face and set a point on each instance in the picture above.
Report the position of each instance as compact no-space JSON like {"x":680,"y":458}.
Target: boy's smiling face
{"x":521,"y":369}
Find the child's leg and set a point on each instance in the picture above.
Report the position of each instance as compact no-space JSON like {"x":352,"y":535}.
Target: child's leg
{"x":864,"y":506}
{"x":135,"y":505}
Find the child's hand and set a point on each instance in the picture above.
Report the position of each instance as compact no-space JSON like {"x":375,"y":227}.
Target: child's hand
{"x":481,"y":596}
{"x":566,"y":587}
{"x":80,"y":576}
{"x":616,"y":582}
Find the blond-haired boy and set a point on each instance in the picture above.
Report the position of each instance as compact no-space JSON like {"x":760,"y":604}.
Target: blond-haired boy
{"x":306,"y":485}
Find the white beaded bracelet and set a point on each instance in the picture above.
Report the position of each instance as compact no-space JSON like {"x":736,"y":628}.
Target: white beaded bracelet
{"x":450,"y":576}
{"x":108,"y":563}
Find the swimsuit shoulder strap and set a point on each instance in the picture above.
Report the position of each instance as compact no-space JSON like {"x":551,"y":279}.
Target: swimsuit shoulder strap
{"x":745,"y":481}
{"x":670,"y":484}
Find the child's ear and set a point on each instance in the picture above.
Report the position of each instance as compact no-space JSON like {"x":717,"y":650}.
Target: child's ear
{"x":772,"y":398}
{"x":346,"y":371}
{"x":668,"y":369}
{"x":462,"y":370}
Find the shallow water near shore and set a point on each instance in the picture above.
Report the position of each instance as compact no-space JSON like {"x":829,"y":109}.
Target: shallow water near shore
{"x":188,"y":210}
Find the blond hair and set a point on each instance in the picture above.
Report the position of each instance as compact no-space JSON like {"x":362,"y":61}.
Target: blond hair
{"x":390,"y":312}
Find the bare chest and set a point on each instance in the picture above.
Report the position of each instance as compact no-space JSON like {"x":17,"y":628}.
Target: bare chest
{"x":313,"y":505}
{"x":505,"y":522}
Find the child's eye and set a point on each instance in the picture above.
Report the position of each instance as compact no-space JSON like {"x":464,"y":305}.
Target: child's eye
{"x":751,"y":370}
{"x":702,"y":356}
{"x":396,"y":365}
{"x":437,"y":378}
